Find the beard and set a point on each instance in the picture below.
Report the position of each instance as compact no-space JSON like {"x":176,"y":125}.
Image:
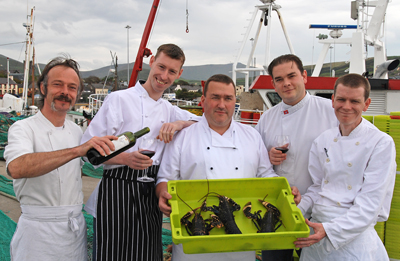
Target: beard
{"x":63,"y":98}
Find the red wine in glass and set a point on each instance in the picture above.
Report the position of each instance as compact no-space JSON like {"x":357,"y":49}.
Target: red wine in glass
{"x":147,"y":147}
{"x":148,"y":153}
{"x":283,"y":149}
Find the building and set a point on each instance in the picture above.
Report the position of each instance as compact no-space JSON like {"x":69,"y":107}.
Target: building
{"x":189,"y":88}
{"x":12,"y":88}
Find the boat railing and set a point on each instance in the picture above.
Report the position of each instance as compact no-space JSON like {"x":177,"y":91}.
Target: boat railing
{"x":246,"y":116}
{"x":95,"y":102}
{"x":179,"y":102}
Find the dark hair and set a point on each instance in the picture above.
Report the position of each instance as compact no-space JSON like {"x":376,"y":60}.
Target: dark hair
{"x":354,"y":80}
{"x":286,"y":58}
{"x":219,"y":78}
{"x":171,"y":50}
{"x":58,"y":61}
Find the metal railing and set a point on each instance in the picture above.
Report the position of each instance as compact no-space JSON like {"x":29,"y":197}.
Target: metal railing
{"x":95,"y":102}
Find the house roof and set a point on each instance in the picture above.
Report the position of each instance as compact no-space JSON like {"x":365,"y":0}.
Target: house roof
{"x":4,"y":81}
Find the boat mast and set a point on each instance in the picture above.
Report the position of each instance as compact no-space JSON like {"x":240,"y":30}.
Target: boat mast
{"x":8,"y":75}
{"x":29,"y":36}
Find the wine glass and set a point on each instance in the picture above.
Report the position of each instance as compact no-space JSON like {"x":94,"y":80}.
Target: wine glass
{"x":282,"y":143}
{"x":147,"y":147}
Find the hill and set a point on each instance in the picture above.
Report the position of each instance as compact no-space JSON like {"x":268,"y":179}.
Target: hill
{"x":193,"y":74}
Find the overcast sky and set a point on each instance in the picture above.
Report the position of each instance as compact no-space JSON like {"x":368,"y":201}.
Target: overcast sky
{"x":88,"y":30}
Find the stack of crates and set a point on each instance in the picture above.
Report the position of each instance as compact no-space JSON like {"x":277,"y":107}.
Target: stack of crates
{"x":392,"y":239}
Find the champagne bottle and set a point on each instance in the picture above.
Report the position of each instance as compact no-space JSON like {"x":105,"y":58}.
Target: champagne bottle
{"x":125,"y":141}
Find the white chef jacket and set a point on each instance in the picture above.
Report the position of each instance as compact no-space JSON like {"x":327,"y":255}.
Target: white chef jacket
{"x":303,"y":122}
{"x":60,"y":187}
{"x":355,"y":175}
{"x":198,"y":152}
{"x":51,"y":225}
{"x":131,"y":110}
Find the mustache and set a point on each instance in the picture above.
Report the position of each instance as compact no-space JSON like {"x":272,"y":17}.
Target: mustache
{"x":63,"y":97}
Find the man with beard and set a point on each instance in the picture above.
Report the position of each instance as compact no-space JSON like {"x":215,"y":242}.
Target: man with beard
{"x":43,"y":156}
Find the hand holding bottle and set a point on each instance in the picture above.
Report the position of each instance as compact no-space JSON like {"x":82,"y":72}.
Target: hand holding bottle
{"x":102,"y":144}
{"x":125,"y":141}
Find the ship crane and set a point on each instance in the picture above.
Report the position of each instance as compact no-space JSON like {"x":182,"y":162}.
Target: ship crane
{"x":265,"y":19}
{"x":366,"y":34}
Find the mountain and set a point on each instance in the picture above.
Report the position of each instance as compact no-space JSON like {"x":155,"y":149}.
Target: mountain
{"x":190,"y":73}
{"x":195,"y":73}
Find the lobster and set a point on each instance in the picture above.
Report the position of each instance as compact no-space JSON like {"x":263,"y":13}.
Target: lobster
{"x":224,"y":212}
{"x":271,"y":220}
{"x":199,"y":226}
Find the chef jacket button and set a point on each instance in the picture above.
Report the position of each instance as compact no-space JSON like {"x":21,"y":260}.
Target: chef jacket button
{"x":326,"y":182}
{"x":327,"y":160}
{"x":357,"y":143}
{"x":349,"y":187}
{"x":338,"y":203}
{"x":146,"y":116}
{"x":211,"y":168}
{"x":236,"y":168}
{"x":349,"y":164}
{"x":208,"y":148}
{"x":335,"y":139}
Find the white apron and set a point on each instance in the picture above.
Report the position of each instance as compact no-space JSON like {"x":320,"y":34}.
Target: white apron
{"x":50,"y":233}
{"x":366,"y":247}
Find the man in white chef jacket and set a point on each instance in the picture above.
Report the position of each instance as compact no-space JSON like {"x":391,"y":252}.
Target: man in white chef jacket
{"x":353,"y":169}
{"x":119,"y":190}
{"x":215,"y":148}
{"x":301,"y":116}
{"x":43,"y":157}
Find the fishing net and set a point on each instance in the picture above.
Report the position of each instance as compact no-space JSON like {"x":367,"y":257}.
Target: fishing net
{"x":6,"y":232}
{"x":90,"y":171}
{"x":6,"y":186}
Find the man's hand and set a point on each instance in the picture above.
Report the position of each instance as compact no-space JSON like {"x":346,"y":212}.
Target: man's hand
{"x":134,"y":159}
{"x":163,"y":197}
{"x":276,"y":156}
{"x":102,"y":144}
{"x":168,"y":130}
{"x":319,"y":234}
{"x":296,"y":194}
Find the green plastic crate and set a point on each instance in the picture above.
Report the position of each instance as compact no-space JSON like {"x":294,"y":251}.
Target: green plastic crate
{"x":241,"y":191}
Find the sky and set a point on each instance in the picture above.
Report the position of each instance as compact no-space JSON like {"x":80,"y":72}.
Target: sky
{"x":89,"y":30}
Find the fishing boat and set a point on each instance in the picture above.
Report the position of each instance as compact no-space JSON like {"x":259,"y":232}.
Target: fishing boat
{"x":385,"y":93}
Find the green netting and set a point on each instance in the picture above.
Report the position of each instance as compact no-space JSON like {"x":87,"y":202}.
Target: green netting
{"x":6,"y":232}
{"x":6,"y":186}
{"x":89,"y":223}
{"x":90,"y":171}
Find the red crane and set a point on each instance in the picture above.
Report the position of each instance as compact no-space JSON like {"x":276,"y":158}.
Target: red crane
{"x":143,"y":50}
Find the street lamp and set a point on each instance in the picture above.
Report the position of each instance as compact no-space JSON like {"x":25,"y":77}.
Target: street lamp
{"x":252,"y":61}
{"x":330,"y":60}
{"x":128,"y":27}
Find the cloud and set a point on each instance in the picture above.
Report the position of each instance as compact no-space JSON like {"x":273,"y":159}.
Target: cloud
{"x":89,"y":30}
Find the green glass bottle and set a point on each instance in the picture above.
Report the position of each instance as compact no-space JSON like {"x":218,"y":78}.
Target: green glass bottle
{"x":125,"y":141}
